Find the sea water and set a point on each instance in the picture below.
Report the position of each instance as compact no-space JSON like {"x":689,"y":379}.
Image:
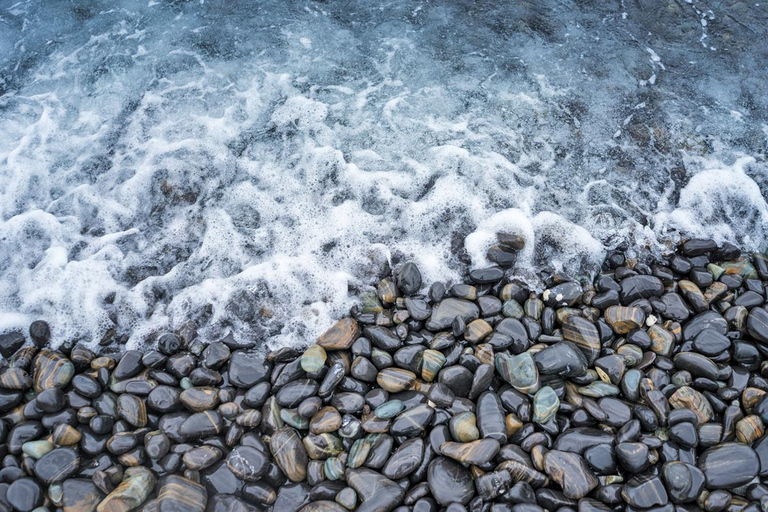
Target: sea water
{"x":251,"y":166}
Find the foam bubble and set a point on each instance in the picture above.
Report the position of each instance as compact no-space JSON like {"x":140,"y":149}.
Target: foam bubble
{"x":721,"y":202}
{"x":158,"y":166}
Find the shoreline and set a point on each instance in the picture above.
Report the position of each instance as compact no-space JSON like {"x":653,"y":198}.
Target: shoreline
{"x":642,"y":389}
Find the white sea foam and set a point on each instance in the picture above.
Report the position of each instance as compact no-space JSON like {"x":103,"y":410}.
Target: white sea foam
{"x":253,"y":170}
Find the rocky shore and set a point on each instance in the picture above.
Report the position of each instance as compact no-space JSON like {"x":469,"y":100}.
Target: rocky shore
{"x":643,"y":390}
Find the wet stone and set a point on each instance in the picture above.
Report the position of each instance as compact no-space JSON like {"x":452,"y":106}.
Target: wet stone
{"x":201,"y":424}
{"x":710,"y":343}
{"x":10,"y":342}
{"x":545,"y":405}
{"x":757,"y":324}
{"x":520,"y":371}
{"x":729,"y":465}
{"x":247,"y":463}
{"x":447,"y":310}
{"x":376,"y":492}
{"x":571,"y":472}
{"x":179,"y":494}
{"x":57,"y":465}
{"x":247,"y":367}
{"x":408,"y":278}
{"x":689,"y":398}
{"x":684,"y":482}
{"x":405,"y":460}
{"x":624,"y":319}
{"x":80,"y":495}
{"x":563,"y":358}
{"x":52,"y":370}
{"x":584,"y":335}
{"x":24,"y":495}
{"x":640,"y":287}
{"x":289,"y":453}
{"x":449,"y":482}
{"x":131,"y":493}
{"x":477,"y":452}
{"x":645,"y":492}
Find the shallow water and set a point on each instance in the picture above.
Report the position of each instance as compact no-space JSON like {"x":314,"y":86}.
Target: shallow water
{"x":245,"y":164}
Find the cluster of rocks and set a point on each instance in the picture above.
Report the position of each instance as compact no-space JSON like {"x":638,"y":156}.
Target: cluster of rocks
{"x":644,"y":390}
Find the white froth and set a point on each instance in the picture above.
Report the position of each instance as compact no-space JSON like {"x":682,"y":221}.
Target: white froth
{"x":722,"y":202}
{"x":253,"y":172}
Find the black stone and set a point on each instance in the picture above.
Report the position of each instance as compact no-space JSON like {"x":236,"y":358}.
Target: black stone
{"x":729,"y":465}
{"x":10,"y":342}
{"x":24,"y":495}
{"x":57,"y":465}
{"x":248,"y":367}
{"x":408,"y":279}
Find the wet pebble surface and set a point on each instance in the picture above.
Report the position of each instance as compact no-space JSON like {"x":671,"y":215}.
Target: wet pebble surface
{"x":643,"y":389}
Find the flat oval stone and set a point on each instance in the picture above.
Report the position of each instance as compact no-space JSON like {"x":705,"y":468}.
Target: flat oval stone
{"x":688,"y":398}
{"x":313,"y":359}
{"x":697,"y":364}
{"x":129,"y":365}
{"x":322,"y":446}
{"x":463,"y":427}
{"x":449,"y":482}
{"x":563,"y":358}
{"x":581,"y":438}
{"x":323,"y":506}
{"x":24,"y":495}
{"x":757,"y":324}
{"x":395,"y":380}
{"x":624,"y":319}
{"x":710,"y":343}
{"x":247,"y":368}
{"x":326,"y":419}
{"x":80,"y":495}
{"x":179,"y":494}
{"x":289,"y":453}
{"x":545,"y":405}
{"x":445,"y":311}
{"x":132,"y":409}
{"x":248,"y":463}
{"x":52,"y":370}
{"x":383,"y":338}
{"x":293,"y":393}
{"x":389,"y":409}
{"x":405,"y":460}
{"x":729,"y":465}
{"x":412,"y":422}
{"x":408,"y":278}
{"x":164,"y":399}
{"x":15,"y":378}
{"x":458,"y":379}
{"x":703,"y":321}
{"x":57,"y":465}
{"x":640,"y":287}
{"x":199,"y":399}
{"x":201,"y":424}
{"x":491,"y":417}
{"x":10,"y":342}
{"x":340,"y":336}
{"x":201,"y":457}
{"x":583,"y":334}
